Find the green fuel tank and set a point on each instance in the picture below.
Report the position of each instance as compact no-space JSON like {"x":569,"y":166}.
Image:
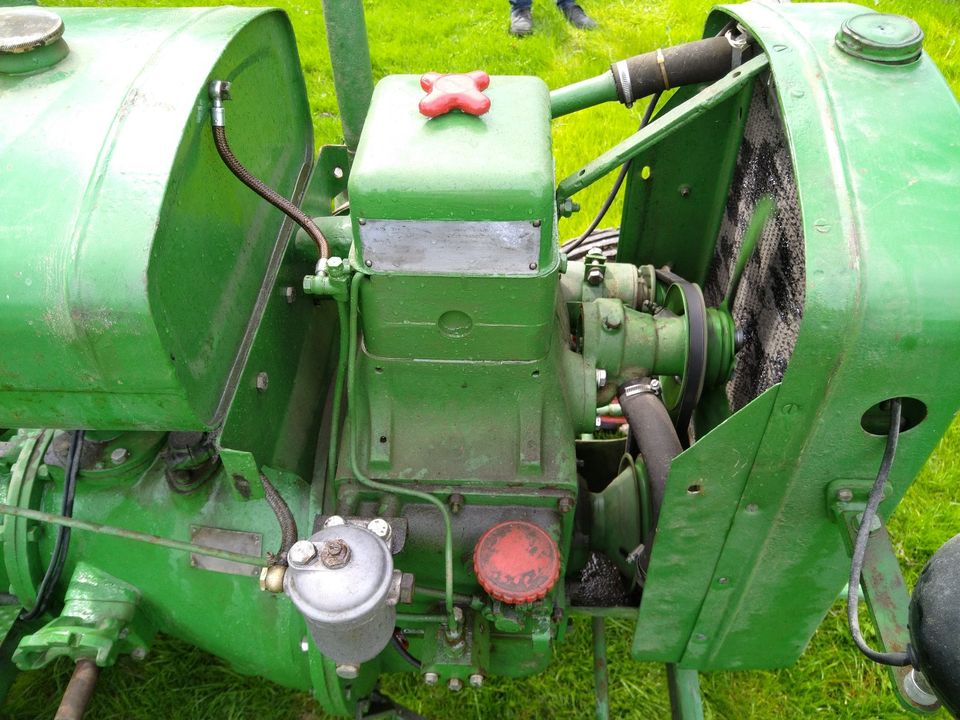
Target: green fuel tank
{"x":134,"y":268}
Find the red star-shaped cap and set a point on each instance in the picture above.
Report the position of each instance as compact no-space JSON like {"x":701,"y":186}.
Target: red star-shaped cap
{"x":516,"y":562}
{"x":457,"y":91}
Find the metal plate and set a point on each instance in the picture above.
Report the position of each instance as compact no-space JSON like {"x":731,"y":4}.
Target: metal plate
{"x":248,"y":543}
{"x":451,"y":247}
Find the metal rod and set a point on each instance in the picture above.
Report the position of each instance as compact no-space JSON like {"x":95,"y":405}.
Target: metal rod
{"x":131,"y":535}
{"x":601,"y":676}
{"x":79,"y":690}
{"x":684,"y":687}
{"x":583,"y":94}
{"x":666,"y":124}
{"x":350,"y":58}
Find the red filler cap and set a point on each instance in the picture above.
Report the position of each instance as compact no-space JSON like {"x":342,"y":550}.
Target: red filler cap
{"x":455,"y":92}
{"x":516,"y":562}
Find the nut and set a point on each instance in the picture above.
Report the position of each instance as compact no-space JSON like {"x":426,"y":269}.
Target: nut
{"x":302,"y":552}
{"x":455,"y":501}
{"x":594,"y":276}
{"x":348,"y":671}
{"x":334,"y":521}
{"x":455,"y":684}
{"x":290,"y":294}
{"x":304,"y":644}
{"x":565,"y":504}
{"x":271,"y":578}
{"x":430,"y":678}
{"x":263,"y":382}
{"x":476,"y":680}
{"x":407,"y":582}
{"x":844,"y":495}
{"x":335,"y":554}
{"x":381,"y":528}
{"x":119,"y":456}
{"x":601,"y":378}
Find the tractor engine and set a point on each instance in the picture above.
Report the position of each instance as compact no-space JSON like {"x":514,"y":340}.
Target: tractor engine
{"x":329,"y":417}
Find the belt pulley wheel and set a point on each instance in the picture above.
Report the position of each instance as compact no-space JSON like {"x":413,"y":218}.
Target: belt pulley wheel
{"x":682,"y":393}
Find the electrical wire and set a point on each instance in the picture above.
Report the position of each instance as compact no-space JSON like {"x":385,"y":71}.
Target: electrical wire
{"x":268,"y":194}
{"x":55,"y":568}
{"x":621,"y":176}
{"x":898,"y":659}
{"x":399,"y":643}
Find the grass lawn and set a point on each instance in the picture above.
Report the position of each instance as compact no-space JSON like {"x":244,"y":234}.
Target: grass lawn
{"x":830,"y":680}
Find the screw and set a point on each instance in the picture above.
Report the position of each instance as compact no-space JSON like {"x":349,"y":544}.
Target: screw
{"x":368,"y":263}
{"x":845,"y":495}
{"x":594,"y":276}
{"x":263,"y":381}
{"x":302,"y":552}
{"x":476,"y":680}
{"x":533,"y":266}
{"x":655,"y":385}
{"x":335,"y":554}
{"x":290,"y":294}
{"x":455,"y":684}
{"x":380,"y":527}
{"x":348,"y":671}
{"x":430,"y":678}
{"x":118,"y":456}
{"x":455,"y":501}
{"x":304,"y":645}
{"x":565,"y":504}
{"x":601,"y":377}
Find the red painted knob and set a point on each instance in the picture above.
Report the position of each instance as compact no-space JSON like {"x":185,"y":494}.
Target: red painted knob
{"x":457,"y":91}
{"x":516,"y":562}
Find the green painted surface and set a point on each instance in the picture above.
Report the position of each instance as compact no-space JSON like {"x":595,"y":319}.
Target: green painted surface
{"x":132,"y":259}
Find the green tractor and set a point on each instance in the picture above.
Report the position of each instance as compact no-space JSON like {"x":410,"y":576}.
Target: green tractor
{"x":329,"y":417}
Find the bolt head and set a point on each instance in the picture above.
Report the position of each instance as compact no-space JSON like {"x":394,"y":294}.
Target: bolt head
{"x":289,"y":294}
{"x":304,"y":644}
{"x":335,"y":554}
{"x":348,"y":671}
{"x":119,"y":456}
{"x":455,"y":502}
{"x":565,"y":504}
{"x":334,"y":521}
{"x":601,"y":377}
{"x":844,"y":495}
{"x":476,"y":680}
{"x":594,"y":276}
{"x":139,"y":653}
{"x":302,"y":552}
{"x":334,"y":261}
{"x":263,"y":381}
{"x":380,"y":527}
{"x":455,"y":684}
{"x":430,"y":678}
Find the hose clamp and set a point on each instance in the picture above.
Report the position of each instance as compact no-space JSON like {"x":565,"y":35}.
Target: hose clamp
{"x":662,"y":62}
{"x":623,"y":73}
{"x":640,"y":386}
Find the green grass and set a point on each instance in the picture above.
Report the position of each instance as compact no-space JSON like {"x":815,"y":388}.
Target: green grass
{"x":830,"y":680}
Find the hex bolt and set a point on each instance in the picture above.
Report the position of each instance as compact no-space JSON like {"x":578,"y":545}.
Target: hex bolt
{"x":119,"y":456}
{"x":430,"y":678}
{"x":304,"y":645}
{"x":290,"y":294}
{"x":407,"y":582}
{"x":263,"y":382}
{"x":334,"y":521}
{"x":348,"y":671}
{"x":655,"y":385}
{"x":455,"y":684}
{"x":139,"y":653}
{"x":601,"y":378}
{"x":476,"y":680}
{"x":565,"y":504}
{"x":844,"y":495}
{"x":594,"y":276}
{"x":381,"y":528}
{"x":302,"y":552}
{"x":335,"y":554}
{"x":334,"y":262}
{"x":456,"y":501}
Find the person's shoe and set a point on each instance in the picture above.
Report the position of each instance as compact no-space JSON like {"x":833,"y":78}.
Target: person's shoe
{"x":577,"y":17}
{"x":521,"y":22}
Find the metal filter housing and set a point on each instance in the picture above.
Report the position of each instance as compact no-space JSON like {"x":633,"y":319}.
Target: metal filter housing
{"x":349,"y":607}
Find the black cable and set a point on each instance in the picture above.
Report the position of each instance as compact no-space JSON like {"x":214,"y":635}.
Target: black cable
{"x":55,"y":568}
{"x":612,"y":195}
{"x":268,"y":194}
{"x":399,"y":642}
{"x":288,"y":524}
{"x":899,"y":659}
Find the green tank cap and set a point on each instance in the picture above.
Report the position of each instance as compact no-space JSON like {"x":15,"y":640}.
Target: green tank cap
{"x":881,"y":38}
{"x":31,"y":38}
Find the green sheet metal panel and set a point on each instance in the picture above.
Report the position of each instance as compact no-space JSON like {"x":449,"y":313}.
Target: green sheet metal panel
{"x":876,"y":157}
{"x":130,"y":258}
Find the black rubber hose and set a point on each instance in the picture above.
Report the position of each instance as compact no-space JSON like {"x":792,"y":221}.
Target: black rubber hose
{"x":656,"y":438}
{"x":399,"y":644}
{"x":688,"y":64}
{"x":898,"y":659}
{"x":268,"y":194}
{"x":288,"y":525}
{"x":55,"y":568}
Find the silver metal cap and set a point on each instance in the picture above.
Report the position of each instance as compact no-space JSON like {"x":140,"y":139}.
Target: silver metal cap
{"x":25,"y":28}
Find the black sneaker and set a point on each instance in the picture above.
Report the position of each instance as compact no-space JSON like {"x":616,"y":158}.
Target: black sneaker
{"x":521,"y":22}
{"x":577,"y":17}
